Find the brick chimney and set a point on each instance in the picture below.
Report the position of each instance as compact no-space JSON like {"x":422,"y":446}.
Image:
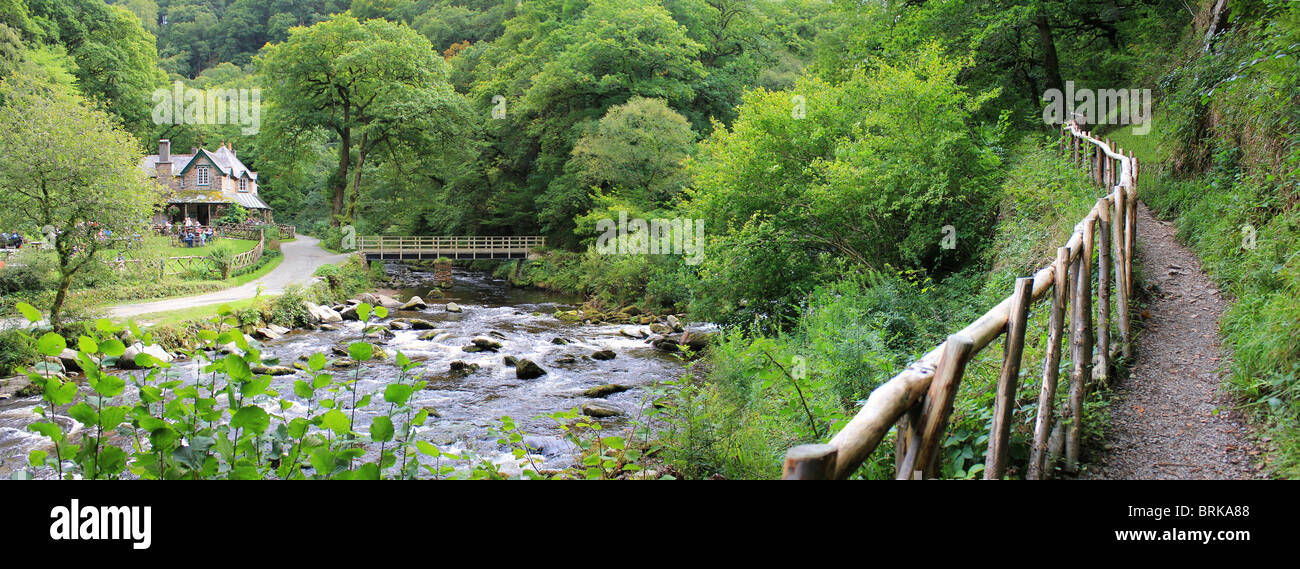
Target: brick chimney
{"x":165,"y":162}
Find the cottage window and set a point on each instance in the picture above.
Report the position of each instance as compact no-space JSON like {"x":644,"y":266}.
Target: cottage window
{"x":243,"y":184}
{"x":203,"y":175}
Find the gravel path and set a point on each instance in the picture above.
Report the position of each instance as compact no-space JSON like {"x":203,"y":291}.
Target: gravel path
{"x":1163,"y":416}
{"x":301,"y":258}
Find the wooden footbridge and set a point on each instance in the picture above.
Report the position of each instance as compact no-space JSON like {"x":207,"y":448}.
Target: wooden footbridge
{"x":388,"y":248}
{"x":916,"y":403}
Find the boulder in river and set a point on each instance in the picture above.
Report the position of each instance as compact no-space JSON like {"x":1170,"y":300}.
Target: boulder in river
{"x":265,"y":334}
{"x":599,"y":410}
{"x":419,"y":324}
{"x":696,"y":341}
{"x":399,"y":325}
{"x":559,"y":341}
{"x":350,"y":313}
{"x":509,"y":361}
{"x":323,"y":314}
{"x":70,"y":361}
{"x":604,"y":355}
{"x":453,"y":307}
{"x":674,"y":323}
{"x":482,"y":345}
{"x":416,"y":303}
{"x":388,"y":301}
{"x":605,"y":390}
{"x":271,"y":370}
{"x":526,"y":369}
{"x":462,"y":369}
{"x":281,"y":330}
{"x":635,"y":334}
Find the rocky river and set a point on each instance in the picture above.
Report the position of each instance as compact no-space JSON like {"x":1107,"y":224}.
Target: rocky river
{"x":465,"y":406}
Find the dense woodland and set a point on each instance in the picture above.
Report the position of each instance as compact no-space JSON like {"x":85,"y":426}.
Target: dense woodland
{"x":825,"y":145}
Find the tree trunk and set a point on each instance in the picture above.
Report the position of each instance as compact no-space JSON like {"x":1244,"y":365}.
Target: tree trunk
{"x":340,"y":180}
{"x":65,"y":282}
{"x":356,"y":179}
{"x":1051,"y":64}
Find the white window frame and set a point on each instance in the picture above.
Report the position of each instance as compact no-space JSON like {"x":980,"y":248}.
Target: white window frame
{"x":243,"y":185}
{"x":202,"y":171}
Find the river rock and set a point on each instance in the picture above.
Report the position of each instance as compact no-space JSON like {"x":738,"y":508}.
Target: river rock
{"x":399,"y":325}
{"x":343,"y":363}
{"x":462,"y":369}
{"x":497,"y":335}
{"x":432,"y":411}
{"x":323,"y":314}
{"x":416,"y":303}
{"x":674,"y":323}
{"x":599,"y":410}
{"x":605,"y":390}
{"x":350,"y":313}
{"x":559,"y":341}
{"x":388,"y":301}
{"x":432,"y":335}
{"x":658,"y":328}
{"x":265,"y":334}
{"x":566,"y":360}
{"x":329,"y":327}
{"x":435,"y":293}
{"x":281,"y":330}
{"x":418,"y":324}
{"x":272,"y":370}
{"x":509,"y":361}
{"x":696,"y":341}
{"x":604,"y":355}
{"x":634,"y":334}
{"x":453,"y":307}
{"x":568,"y":315}
{"x":646,"y":319}
{"x":368,"y":298}
{"x":486,"y":345}
{"x":631,"y":310}
{"x":70,"y":361}
{"x":526,"y":369}
{"x":127,"y":361}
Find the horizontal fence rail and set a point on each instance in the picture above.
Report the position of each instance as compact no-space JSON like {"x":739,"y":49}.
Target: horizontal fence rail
{"x":171,"y":266}
{"x":919,"y":400}
{"x":433,"y":247}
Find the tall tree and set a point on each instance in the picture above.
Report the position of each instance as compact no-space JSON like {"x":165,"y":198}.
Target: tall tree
{"x":68,"y":169}
{"x":379,"y":87}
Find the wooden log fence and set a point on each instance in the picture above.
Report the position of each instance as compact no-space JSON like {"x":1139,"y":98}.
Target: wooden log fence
{"x":171,"y":266}
{"x":919,"y":400}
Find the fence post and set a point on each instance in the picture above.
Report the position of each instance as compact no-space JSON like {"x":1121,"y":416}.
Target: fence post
{"x":1081,"y":344}
{"x":995,"y":462}
{"x":1103,"y":288}
{"x":1120,"y":253}
{"x":938,"y":403}
{"x":1051,"y":364}
{"x":809,"y":462}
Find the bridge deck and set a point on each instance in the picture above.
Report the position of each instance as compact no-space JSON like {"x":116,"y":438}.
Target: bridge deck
{"x":432,"y":247}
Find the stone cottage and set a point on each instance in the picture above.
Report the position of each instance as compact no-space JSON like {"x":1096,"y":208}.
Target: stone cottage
{"x":203,"y":185}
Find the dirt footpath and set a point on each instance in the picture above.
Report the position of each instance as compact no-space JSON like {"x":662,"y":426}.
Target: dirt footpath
{"x":1169,"y":419}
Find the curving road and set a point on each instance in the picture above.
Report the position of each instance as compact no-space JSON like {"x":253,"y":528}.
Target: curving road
{"x":301,"y":259}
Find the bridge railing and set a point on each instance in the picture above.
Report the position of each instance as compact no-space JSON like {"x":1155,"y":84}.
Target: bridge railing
{"x":919,"y":400}
{"x":385,"y":245}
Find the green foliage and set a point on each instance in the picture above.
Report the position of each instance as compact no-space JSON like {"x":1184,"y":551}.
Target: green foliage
{"x":868,"y":172}
{"x":67,"y":165}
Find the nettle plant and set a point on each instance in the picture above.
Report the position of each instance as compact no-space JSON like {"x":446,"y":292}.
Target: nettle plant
{"x":227,"y":422}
